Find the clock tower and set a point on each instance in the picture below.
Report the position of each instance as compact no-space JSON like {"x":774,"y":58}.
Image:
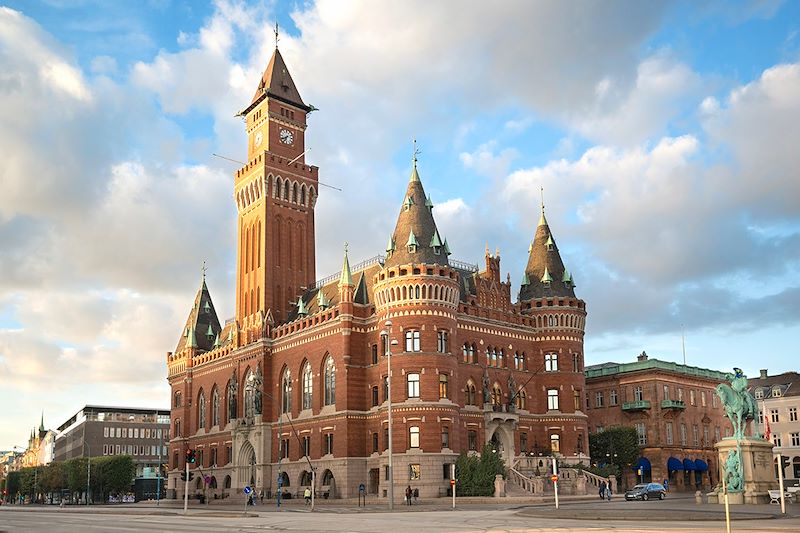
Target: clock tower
{"x":275,"y":194}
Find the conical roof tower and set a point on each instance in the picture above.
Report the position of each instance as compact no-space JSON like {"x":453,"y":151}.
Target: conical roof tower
{"x":416,"y":238}
{"x":202,"y":325}
{"x":545,"y":275}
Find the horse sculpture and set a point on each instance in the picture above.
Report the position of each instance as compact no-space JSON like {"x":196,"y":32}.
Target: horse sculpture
{"x":738,"y":403}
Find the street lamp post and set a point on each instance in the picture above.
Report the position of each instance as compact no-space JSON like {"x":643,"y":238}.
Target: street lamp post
{"x":88,"y":465}
{"x":389,"y":344}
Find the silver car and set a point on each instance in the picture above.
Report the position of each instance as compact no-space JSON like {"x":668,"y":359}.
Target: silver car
{"x":645,"y":491}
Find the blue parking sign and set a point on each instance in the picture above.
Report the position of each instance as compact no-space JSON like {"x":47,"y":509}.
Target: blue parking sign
{"x":248,"y":490}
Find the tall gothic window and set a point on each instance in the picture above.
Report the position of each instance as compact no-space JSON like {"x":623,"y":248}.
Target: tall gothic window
{"x":201,"y":410}
{"x":521,"y":400}
{"x":497,"y":395}
{"x":215,"y":407}
{"x":307,"y":386}
{"x":550,"y":362}
{"x":286,"y":396}
{"x":330,"y":381}
{"x":469,"y":392}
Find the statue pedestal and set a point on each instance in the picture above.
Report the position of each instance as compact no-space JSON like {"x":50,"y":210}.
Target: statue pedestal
{"x":757,"y":469}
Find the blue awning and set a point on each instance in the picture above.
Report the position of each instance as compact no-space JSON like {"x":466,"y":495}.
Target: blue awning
{"x":688,"y":464}
{"x":674,"y":464}
{"x":700,"y":465}
{"x":644,"y":463}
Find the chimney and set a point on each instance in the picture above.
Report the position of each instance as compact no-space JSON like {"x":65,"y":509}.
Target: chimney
{"x":763,"y":373}
{"x":642,"y":356}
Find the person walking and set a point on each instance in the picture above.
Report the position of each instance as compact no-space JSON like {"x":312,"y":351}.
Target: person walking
{"x":608,"y":491}
{"x":307,"y":495}
{"x":409,"y":493}
{"x":602,"y":490}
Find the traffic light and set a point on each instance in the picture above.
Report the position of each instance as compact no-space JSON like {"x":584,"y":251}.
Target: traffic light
{"x":190,"y":456}
{"x":183,"y":476}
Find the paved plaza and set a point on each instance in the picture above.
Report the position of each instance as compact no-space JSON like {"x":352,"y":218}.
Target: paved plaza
{"x":673,"y":514}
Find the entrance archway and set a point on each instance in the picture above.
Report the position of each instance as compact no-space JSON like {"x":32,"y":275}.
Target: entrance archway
{"x":328,"y":484}
{"x":247,"y":465}
{"x":502,"y":441}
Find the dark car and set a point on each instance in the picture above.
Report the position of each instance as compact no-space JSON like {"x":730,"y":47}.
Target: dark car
{"x":646,"y":491}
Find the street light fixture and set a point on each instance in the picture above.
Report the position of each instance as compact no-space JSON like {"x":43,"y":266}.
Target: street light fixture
{"x":385,"y":334}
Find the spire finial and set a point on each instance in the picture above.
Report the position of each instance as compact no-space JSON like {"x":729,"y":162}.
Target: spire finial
{"x":345,"y":278}
{"x":203,"y":270}
{"x":417,"y":152}
{"x":542,"y":220}
{"x":541,"y":191}
{"x":276,"y":35}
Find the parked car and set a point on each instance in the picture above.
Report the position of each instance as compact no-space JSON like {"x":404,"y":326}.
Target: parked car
{"x":645,"y":491}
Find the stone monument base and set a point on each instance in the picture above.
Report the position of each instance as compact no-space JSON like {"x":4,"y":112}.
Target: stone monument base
{"x":757,"y":469}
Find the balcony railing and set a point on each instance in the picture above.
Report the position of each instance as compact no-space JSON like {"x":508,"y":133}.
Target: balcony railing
{"x":673,"y":404}
{"x":639,"y":405}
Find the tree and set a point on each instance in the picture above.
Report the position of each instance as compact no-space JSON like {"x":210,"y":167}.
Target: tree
{"x":475,"y":475}
{"x":112,"y":475}
{"x":617,"y":446}
{"x":13,"y":484}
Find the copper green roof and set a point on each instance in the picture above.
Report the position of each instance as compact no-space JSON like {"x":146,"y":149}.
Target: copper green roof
{"x":610,"y":369}
{"x":346,"y":278}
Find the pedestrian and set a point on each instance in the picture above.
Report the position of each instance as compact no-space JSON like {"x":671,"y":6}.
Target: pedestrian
{"x":409,"y":493}
{"x":602,"y":490}
{"x":261,"y":495}
{"x":608,"y":492}
{"x":307,"y":495}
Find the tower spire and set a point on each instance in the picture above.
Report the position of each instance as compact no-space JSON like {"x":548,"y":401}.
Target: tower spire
{"x":542,"y":220}
{"x":416,"y":152}
{"x":346,"y":277}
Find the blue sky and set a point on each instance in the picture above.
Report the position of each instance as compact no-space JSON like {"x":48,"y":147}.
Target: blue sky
{"x":664,"y":135}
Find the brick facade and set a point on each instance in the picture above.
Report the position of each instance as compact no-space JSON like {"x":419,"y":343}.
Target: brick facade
{"x":676,"y":411}
{"x":297,"y":379}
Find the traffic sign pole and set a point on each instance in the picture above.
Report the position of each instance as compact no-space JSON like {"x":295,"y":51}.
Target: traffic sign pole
{"x":453,"y":483}
{"x":554,"y":477}
{"x":186,"y":491}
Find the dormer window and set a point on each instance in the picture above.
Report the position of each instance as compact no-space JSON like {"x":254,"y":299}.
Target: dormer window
{"x":408,"y":203}
{"x":546,"y":278}
{"x":412,"y":243}
{"x":759,"y":394}
{"x":776,"y":392}
{"x":436,"y":243}
{"x":549,"y":244}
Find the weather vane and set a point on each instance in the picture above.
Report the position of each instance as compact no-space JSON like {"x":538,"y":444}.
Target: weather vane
{"x":204,"y":270}
{"x":541,"y":190}
{"x":417,"y":151}
{"x":276,"y":35}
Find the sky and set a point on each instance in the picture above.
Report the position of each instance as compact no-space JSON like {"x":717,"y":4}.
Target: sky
{"x":664,"y":136}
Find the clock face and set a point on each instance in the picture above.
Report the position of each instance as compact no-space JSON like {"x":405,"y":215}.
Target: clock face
{"x":287,"y":137}
{"x":259,"y":138}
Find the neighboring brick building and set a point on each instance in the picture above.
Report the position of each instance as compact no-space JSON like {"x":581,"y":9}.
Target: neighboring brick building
{"x":779,"y":395}
{"x":97,"y":430}
{"x":298,"y":379}
{"x":675,"y":411}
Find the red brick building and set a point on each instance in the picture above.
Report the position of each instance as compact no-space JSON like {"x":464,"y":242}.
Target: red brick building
{"x":298,"y":378}
{"x":675,"y":411}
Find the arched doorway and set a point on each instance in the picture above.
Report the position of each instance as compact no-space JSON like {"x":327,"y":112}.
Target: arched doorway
{"x":502,"y":442}
{"x":247,"y":465}
{"x":328,"y":485}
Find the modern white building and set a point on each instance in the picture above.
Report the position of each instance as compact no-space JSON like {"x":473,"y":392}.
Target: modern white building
{"x":778,"y":398}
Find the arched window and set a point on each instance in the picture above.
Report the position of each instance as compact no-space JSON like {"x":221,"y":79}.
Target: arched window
{"x":497,"y":395}
{"x":501,"y":358}
{"x":330,"y":382}
{"x":466,"y":352}
{"x":201,"y":410}
{"x":286,"y":389}
{"x":294,"y":192}
{"x":178,"y":398}
{"x":307,"y":386}
{"x":286,"y":190}
{"x":472,"y":351}
{"x":215,"y":407}
{"x":522,"y":399}
{"x":303,"y":194}
{"x":469,"y":393}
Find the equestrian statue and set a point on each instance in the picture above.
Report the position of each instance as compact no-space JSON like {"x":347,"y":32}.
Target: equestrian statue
{"x":739,"y":408}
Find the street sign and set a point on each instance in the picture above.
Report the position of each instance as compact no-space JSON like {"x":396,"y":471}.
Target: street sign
{"x":452,"y":482}
{"x":362,"y":488}
{"x":248,"y":490}
{"x":554,"y":478}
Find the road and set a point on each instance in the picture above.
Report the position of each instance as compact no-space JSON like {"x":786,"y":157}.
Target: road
{"x":573,"y":516}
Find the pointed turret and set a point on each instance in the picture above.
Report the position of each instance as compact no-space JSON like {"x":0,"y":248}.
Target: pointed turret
{"x":41,"y":424}
{"x":545,"y":272}
{"x":416,"y":238}
{"x":301,"y":308}
{"x":322,"y":301}
{"x":202,"y":325}
{"x":346,"y":277}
